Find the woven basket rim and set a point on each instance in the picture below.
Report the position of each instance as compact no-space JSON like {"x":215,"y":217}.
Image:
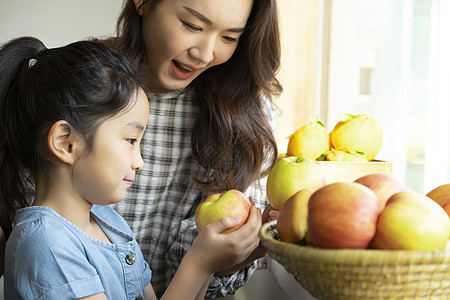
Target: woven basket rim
{"x":268,"y":236}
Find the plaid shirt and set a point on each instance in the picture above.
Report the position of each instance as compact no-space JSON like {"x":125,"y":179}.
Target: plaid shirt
{"x":160,"y":206}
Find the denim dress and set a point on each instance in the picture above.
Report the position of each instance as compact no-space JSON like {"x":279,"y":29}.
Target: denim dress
{"x":48,"y":257}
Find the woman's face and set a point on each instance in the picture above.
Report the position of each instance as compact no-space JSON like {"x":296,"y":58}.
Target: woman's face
{"x":183,"y":38}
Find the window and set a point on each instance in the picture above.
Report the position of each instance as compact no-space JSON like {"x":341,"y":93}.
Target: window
{"x":390,"y":59}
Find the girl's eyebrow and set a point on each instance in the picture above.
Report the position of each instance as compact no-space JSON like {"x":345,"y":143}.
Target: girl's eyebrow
{"x":204,"y":19}
{"x":135,"y":125}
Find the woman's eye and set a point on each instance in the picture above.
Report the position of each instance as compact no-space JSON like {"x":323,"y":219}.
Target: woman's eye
{"x":191,"y":27}
{"x":132,"y":141}
{"x":230,"y":39}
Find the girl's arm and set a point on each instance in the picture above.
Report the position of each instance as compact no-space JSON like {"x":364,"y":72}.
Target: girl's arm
{"x":150,"y":292}
{"x":212,"y":252}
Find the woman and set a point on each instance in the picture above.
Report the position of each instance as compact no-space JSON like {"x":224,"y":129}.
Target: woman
{"x":210,"y":66}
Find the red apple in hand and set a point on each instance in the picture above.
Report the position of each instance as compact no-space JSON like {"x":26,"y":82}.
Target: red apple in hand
{"x":342,"y":215}
{"x":383,"y":184}
{"x":411,"y":221}
{"x":233,"y":204}
{"x":441,"y":195}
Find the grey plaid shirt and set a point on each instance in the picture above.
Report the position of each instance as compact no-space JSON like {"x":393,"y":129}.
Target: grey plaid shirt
{"x":160,"y":205}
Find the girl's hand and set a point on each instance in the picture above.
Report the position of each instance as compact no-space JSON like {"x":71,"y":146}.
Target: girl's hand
{"x":214,"y":251}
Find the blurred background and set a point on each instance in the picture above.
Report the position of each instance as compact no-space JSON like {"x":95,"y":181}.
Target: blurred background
{"x":386,"y":58}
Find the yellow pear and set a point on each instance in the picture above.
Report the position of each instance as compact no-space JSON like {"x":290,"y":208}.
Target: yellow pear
{"x":359,"y":134}
{"x":344,"y":155}
{"x":309,"y":141}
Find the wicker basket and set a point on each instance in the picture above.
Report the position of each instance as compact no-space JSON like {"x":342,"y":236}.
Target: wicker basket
{"x":362,"y":274}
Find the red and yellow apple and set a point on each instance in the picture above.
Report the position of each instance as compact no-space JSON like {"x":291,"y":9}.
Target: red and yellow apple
{"x":342,"y":215}
{"x":292,"y":220}
{"x":233,"y":204}
{"x":290,"y":175}
{"x":383,"y":184}
{"x":411,"y":221}
{"x":441,"y":195}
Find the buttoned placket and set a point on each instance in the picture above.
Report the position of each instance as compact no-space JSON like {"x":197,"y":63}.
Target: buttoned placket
{"x":131,"y":273}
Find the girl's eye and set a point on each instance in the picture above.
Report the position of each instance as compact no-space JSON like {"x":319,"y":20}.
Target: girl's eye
{"x":132,"y":141}
{"x":191,"y":27}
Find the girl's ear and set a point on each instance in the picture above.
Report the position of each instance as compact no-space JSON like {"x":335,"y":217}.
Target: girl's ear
{"x":62,"y":141}
{"x":139,"y":4}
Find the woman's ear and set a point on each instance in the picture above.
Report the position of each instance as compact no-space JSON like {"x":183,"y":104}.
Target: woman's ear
{"x":62,"y":141}
{"x":139,"y":4}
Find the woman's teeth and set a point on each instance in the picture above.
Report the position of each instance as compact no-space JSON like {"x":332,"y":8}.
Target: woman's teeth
{"x":183,"y":67}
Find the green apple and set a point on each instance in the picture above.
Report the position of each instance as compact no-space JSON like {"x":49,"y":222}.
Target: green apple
{"x":411,"y":221}
{"x":293,"y":217}
{"x":290,"y":175}
{"x":342,"y":215}
{"x":233,"y":204}
{"x":441,"y":195}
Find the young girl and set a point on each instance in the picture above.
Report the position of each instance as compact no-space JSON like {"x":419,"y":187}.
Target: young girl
{"x":71,"y":121}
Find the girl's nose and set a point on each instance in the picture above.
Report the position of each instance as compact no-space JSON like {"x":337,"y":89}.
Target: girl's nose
{"x":138,"y":163}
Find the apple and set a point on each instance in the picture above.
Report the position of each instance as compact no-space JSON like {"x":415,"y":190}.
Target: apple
{"x":290,"y":175}
{"x":292,"y":219}
{"x":383,"y":184}
{"x":342,"y":215}
{"x":233,"y":204}
{"x":411,"y":221}
{"x":441,"y":195}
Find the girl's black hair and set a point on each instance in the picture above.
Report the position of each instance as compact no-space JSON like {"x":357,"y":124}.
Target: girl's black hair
{"x":83,"y":83}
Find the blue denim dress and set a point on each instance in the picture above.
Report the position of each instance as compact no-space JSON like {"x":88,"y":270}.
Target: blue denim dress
{"x":48,"y":257}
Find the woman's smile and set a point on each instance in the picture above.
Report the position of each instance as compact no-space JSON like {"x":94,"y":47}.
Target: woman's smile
{"x":182,"y":71}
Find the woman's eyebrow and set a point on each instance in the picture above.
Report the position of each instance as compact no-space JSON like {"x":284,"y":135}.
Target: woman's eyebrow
{"x":198,"y":15}
{"x":204,"y":19}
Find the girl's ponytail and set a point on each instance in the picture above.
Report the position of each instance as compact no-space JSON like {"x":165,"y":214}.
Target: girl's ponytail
{"x":16,"y":57}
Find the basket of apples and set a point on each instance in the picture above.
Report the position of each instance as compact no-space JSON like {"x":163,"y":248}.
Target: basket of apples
{"x":371,"y":238}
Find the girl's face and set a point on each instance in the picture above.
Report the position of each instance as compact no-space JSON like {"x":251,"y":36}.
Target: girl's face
{"x":183,"y":38}
{"x":103,"y":175}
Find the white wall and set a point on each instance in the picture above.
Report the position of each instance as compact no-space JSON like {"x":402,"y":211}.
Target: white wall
{"x":57,"y":23}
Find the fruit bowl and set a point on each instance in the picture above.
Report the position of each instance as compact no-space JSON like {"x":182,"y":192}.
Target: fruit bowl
{"x":362,"y":274}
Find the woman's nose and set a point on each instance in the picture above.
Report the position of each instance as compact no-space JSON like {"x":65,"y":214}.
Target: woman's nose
{"x":203,"y":50}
